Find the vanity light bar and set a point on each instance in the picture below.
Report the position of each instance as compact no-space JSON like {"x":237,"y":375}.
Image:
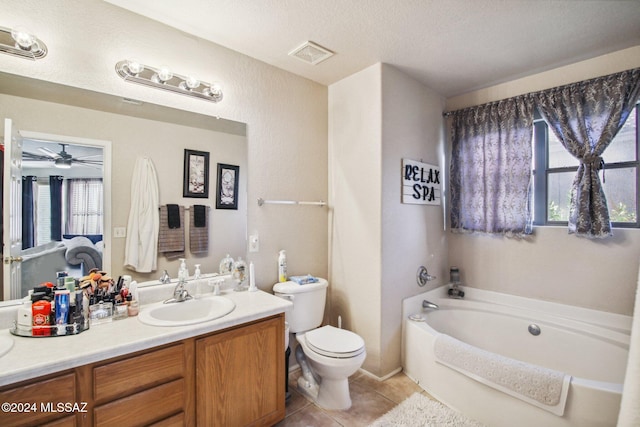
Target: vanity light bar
{"x":21,"y":43}
{"x":162,"y":78}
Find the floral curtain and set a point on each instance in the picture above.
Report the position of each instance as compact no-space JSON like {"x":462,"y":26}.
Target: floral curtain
{"x":491,"y":168}
{"x":586,"y":117}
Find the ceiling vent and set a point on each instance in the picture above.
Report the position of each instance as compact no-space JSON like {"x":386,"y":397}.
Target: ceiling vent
{"x":311,"y":53}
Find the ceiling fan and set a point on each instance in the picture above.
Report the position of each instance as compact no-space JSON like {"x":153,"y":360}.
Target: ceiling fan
{"x":62,"y":159}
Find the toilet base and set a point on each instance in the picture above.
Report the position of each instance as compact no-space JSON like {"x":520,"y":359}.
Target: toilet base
{"x":334,"y":394}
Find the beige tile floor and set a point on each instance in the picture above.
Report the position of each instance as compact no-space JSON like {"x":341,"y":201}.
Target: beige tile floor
{"x":370,"y":400}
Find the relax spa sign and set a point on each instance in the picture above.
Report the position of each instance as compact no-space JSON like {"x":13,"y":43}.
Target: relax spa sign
{"x":420,"y":183}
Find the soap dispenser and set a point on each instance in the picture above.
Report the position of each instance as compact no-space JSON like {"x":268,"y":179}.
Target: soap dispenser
{"x":183,"y":273}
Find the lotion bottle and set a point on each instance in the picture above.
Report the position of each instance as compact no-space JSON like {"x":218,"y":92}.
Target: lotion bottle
{"x":282,"y":266}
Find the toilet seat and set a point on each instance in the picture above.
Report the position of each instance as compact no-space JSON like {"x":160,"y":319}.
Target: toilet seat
{"x":333,"y":342}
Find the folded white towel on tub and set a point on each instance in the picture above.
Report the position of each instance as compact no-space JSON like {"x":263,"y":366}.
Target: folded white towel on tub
{"x":539,"y":386}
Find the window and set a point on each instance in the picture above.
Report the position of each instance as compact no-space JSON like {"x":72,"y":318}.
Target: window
{"x":84,"y":206}
{"x":554,"y":169}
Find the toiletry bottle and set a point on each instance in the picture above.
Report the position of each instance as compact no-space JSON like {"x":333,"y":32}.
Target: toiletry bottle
{"x":183,"y":273}
{"x":282,"y":266}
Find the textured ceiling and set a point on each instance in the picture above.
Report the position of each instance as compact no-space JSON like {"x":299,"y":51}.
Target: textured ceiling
{"x":452,"y":46}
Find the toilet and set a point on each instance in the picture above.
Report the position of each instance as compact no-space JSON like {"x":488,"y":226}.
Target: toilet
{"x":327,"y":355}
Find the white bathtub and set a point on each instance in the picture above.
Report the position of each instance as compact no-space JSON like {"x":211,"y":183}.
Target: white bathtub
{"x":589,"y":345}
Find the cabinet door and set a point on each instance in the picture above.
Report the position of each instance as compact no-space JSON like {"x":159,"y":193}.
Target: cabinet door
{"x":36,"y":401}
{"x":240,"y":375}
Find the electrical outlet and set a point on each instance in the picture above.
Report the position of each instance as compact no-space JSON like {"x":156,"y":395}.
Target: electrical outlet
{"x":119,"y":232}
{"x":254,"y":243}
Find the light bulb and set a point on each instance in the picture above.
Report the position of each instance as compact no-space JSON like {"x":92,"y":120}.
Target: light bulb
{"x":164,"y":74}
{"x":134,"y":66}
{"x":192,"y":82}
{"x":24,"y":39}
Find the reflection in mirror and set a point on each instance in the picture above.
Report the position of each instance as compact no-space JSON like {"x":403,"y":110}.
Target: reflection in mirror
{"x":62,"y":209}
{"x":134,"y":130}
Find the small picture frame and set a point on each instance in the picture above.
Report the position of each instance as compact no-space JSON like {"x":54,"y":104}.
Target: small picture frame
{"x":227,"y":193}
{"x":196,"y":174}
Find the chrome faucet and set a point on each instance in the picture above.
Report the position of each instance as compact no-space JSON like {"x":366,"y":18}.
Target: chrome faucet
{"x":180,"y":293}
{"x":429,"y":304}
{"x":164,"y":279}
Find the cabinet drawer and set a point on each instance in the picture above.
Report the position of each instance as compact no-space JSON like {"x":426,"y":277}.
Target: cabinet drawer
{"x":127,"y":376}
{"x":39,"y":395}
{"x":144,"y":408}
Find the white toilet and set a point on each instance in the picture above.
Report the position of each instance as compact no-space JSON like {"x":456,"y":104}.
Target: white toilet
{"x":327,"y":355}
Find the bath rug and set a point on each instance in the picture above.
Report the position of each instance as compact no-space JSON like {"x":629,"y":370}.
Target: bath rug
{"x":420,"y":411}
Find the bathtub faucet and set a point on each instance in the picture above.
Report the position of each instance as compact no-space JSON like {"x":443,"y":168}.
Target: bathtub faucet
{"x":429,"y":304}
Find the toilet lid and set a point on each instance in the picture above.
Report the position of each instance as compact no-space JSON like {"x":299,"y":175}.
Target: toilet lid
{"x":333,"y":342}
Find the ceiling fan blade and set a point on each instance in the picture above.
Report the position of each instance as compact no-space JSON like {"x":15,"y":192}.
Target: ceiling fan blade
{"x":49,"y":153}
{"x":35,"y":157}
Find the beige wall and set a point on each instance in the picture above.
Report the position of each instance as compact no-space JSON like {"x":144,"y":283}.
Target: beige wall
{"x":355,"y":199}
{"x":553,"y":265}
{"x":377,"y":117}
{"x":412,"y":235}
{"x":286,"y":115}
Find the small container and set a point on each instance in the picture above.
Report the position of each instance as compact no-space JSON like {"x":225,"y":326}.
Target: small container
{"x":100,"y":313}
{"x":121,"y":311}
{"x":226,"y":265}
{"x":240,"y":274}
{"x":133,"y":308}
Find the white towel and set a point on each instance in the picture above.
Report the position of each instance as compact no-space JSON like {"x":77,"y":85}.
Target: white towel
{"x":630,"y":405}
{"x":545,"y":388}
{"x":141,"y":246}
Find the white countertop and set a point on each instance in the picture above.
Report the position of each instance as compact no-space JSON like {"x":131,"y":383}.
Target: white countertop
{"x":33,"y":357}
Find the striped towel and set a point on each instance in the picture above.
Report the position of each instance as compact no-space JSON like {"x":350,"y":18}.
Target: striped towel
{"x":199,"y":229}
{"x":171,"y":240}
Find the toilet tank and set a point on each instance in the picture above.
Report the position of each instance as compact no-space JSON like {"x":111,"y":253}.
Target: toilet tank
{"x":308,"y":303}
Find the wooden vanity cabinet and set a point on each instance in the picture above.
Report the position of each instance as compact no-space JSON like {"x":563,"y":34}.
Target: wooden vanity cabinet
{"x":240,"y":376}
{"x":141,"y":389}
{"x":233,"y":377}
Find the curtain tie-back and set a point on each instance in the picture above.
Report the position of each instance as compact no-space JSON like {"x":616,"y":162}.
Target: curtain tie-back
{"x":594,"y":161}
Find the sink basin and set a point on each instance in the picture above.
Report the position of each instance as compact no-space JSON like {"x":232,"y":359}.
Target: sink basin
{"x":187,"y":312}
{"x":6,"y":343}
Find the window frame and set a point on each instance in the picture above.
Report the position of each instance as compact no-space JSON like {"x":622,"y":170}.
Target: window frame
{"x":540,"y":147}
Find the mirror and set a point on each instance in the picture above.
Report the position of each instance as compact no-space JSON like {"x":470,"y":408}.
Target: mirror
{"x":133,"y":130}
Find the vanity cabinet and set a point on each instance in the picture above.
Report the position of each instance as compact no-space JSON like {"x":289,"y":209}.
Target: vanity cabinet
{"x":232,"y":377}
{"x":240,"y":376}
{"x":143,"y":389}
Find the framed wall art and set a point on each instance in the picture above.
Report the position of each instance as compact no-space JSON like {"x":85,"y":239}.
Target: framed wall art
{"x":196,"y":174}
{"x":227,"y":192}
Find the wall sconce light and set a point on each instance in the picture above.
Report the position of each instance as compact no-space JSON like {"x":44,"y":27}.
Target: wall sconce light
{"x":163,"y":78}
{"x":22,"y":43}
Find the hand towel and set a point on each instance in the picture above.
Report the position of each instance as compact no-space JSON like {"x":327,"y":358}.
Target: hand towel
{"x":171,"y":240}
{"x":199,"y":215}
{"x":199,"y":234}
{"x":173,"y":216}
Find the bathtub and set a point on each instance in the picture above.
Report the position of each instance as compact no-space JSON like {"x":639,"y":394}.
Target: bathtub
{"x":589,"y":345}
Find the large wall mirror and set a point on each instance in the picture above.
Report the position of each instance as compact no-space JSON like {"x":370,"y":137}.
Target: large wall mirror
{"x":89,"y":142}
